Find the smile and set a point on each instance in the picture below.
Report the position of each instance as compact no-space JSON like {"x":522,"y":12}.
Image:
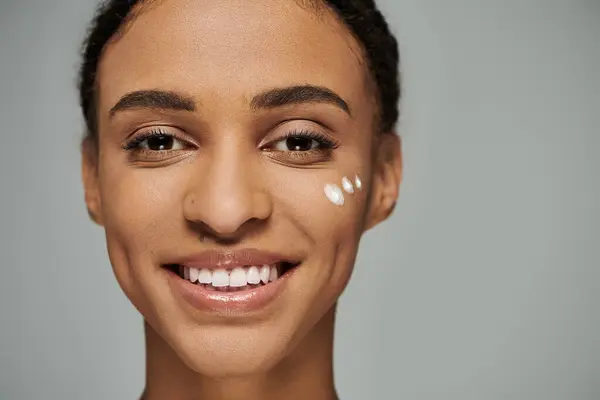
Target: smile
{"x":243,"y":278}
{"x":225,"y":282}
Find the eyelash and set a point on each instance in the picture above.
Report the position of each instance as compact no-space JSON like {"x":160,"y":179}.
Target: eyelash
{"x":325,"y":142}
{"x":135,"y":143}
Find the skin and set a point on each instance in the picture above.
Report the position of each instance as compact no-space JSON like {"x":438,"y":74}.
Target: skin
{"x":230,"y":181}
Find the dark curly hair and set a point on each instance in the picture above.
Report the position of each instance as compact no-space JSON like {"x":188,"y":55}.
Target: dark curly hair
{"x":361,"y":17}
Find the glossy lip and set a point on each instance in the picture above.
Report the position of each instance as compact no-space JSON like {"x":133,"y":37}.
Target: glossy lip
{"x":228,"y":303}
{"x":213,"y":259}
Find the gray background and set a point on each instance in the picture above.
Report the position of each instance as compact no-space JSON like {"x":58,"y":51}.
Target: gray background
{"x":484,"y":284}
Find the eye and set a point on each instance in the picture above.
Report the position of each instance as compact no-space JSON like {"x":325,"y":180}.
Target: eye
{"x":156,"y":141}
{"x":302,"y":141}
{"x":297,"y":143}
{"x":162,"y":143}
{"x":301,"y":147}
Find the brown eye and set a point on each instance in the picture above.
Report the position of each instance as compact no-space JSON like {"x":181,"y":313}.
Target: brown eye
{"x":156,"y":142}
{"x":297,"y":143}
{"x":159,"y":143}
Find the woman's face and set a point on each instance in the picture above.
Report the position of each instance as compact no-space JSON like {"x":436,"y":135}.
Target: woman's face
{"x":218,"y":85}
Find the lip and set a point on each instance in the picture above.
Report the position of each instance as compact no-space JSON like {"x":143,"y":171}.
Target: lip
{"x":213,"y":259}
{"x":230,"y":303}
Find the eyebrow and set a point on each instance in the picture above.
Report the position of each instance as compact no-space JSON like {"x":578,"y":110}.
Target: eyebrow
{"x":158,"y":99}
{"x":280,"y":97}
{"x":270,"y":99}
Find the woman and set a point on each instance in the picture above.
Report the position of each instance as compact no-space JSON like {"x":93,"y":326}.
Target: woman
{"x":235,"y":153}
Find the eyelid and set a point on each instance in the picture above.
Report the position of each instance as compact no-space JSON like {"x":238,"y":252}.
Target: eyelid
{"x":284,"y":131}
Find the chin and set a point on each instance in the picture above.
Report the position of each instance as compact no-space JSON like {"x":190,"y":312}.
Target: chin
{"x":222,"y":351}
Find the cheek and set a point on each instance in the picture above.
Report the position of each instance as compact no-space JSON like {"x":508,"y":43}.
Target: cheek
{"x":333,"y":228}
{"x":346,"y":210}
{"x":329,"y":208}
{"x":140,"y":208}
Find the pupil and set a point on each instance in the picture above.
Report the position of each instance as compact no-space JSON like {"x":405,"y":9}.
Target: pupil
{"x":161,"y":142}
{"x":299,"y":144}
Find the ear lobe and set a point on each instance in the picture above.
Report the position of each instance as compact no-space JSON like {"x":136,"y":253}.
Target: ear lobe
{"x":386,"y":180}
{"x":89,"y":174}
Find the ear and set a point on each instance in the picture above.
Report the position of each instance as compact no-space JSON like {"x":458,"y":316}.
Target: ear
{"x":89,"y":174}
{"x":387,"y":177}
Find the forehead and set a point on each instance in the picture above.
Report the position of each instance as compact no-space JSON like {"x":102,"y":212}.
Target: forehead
{"x":231,"y":47}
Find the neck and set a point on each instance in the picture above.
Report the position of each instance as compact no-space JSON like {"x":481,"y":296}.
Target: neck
{"x":307,"y":373}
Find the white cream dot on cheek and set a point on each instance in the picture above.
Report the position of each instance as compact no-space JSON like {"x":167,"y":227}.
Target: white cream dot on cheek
{"x":357,"y":182}
{"x":334,"y":194}
{"x":347,"y":185}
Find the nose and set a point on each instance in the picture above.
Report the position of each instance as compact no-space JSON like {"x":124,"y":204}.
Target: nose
{"x":227,"y":197}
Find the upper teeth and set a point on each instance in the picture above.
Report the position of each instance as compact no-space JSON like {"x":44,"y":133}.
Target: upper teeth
{"x":238,"y":277}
